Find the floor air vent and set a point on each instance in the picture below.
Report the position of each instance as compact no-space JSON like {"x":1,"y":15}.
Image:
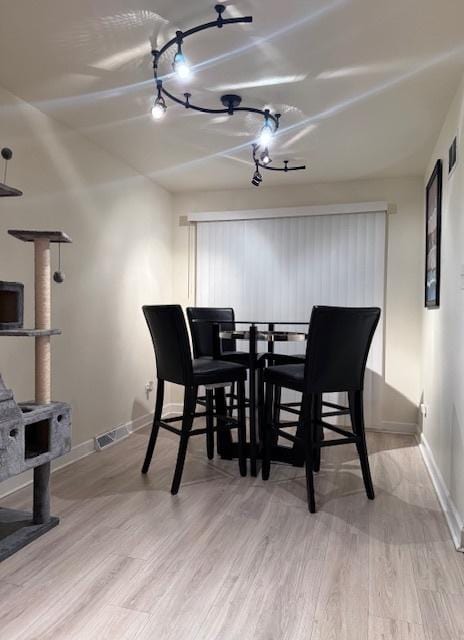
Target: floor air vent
{"x":110,"y":437}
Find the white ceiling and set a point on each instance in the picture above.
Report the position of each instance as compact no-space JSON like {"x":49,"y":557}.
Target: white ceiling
{"x":362,"y":85}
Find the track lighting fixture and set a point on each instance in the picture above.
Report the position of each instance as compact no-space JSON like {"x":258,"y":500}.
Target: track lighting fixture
{"x":265,"y":157}
{"x":264,"y":161}
{"x":180,"y":64}
{"x":159,"y":106}
{"x":267,"y":132}
{"x":231,"y":103}
{"x":159,"y":109}
{"x":257,"y":178}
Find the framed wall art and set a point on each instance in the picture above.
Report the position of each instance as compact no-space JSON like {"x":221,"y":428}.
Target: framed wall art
{"x":433,"y":236}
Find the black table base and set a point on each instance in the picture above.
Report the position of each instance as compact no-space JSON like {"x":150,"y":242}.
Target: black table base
{"x":279,"y":453}
{"x":227,"y":449}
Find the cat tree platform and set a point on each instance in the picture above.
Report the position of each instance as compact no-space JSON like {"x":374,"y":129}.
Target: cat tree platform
{"x":29,"y":333}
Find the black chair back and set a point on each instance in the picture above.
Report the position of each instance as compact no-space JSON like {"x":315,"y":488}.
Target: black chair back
{"x":339,"y":340}
{"x":202,"y":332}
{"x":168,"y":331}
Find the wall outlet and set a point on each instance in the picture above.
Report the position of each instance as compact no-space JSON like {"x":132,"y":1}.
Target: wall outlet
{"x":423,"y":410}
{"x":149,"y":386}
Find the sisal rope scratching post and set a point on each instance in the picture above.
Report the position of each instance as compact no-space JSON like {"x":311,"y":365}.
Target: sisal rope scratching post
{"x":42,"y":320}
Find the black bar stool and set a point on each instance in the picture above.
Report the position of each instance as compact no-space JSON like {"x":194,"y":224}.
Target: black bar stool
{"x":205,"y":324}
{"x":339,"y":340}
{"x":174,"y":364}
{"x":201,"y":321}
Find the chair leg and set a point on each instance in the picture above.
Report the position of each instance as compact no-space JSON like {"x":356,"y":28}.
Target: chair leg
{"x":357,"y":418}
{"x":190,"y":399}
{"x":276,"y":413}
{"x":309,"y":416}
{"x":155,"y":427}
{"x":267,"y":432}
{"x":318,"y":432}
{"x":299,"y":452}
{"x":261,"y":410}
{"x":209,"y":424}
{"x":242,"y":462}
{"x":230,"y":410}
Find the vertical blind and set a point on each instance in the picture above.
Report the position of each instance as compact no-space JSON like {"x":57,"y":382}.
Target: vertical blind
{"x":276,"y":269}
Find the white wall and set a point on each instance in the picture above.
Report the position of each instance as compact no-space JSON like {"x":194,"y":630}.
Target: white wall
{"x":121,"y":258}
{"x":443,"y":335}
{"x":401,"y":392}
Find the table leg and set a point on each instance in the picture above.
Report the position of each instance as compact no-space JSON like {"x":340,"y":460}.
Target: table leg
{"x":261,"y":411}
{"x":298,"y":451}
{"x":252,"y":369}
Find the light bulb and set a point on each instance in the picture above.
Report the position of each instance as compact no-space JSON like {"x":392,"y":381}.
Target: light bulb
{"x":180,"y":66}
{"x":159,"y":109}
{"x":265,"y":157}
{"x":265,"y":137}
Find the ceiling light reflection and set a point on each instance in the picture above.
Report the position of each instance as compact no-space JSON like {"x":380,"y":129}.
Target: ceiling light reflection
{"x":301,"y":134}
{"x":264,"y":82}
{"x":123,"y":57}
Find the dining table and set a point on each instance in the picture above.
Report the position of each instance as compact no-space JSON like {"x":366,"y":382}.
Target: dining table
{"x":256,"y":332}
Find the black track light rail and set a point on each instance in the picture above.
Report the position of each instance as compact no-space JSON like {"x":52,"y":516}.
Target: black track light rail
{"x":269,"y":167}
{"x":284,"y":168}
{"x":229,"y":109}
{"x":231,"y":102}
{"x":219,"y":23}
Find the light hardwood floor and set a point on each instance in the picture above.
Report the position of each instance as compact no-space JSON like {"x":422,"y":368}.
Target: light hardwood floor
{"x":234,"y":558}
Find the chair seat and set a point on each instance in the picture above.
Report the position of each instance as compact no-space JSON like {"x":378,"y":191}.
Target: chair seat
{"x":208,"y":371}
{"x":290,"y":376}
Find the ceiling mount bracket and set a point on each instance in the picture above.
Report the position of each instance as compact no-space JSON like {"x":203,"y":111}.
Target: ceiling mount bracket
{"x":220,"y":8}
{"x":231,"y":101}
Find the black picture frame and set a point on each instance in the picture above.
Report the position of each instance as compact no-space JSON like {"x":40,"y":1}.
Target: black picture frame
{"x":433,"y":200}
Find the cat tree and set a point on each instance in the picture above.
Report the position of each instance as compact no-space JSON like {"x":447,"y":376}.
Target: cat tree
{"x":32,"y":433}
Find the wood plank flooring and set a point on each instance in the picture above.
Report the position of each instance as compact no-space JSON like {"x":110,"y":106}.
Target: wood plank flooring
{"x":234,"y":558}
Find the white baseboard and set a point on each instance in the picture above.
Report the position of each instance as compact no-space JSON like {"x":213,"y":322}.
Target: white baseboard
{"x":173,"y":409}
{"x":453,"y":519}
{"x":386,"y":426}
